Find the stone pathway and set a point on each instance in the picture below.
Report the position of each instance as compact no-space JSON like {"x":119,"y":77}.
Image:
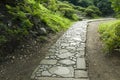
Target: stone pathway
{"x":66,"y":58}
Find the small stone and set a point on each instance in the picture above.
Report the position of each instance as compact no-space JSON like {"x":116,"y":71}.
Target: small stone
{"x":57,"y":58}
{"x":40,"y":70}
{"x":81,"y":53}
{"x":64,"y":44}
{"x":52,"y":57}
{"x":71,"y":58}
{"x":77,"y":39}
{"x":58,"y":64}
{"x":67,"y":62}
{"x":41,"y":66}
{"x":46,"y":73}
{"x":71,"y":48}
{"x":74,"y":66}
{"x":47,"y":57}
{"x":54,"y":75}
{"x":74,"y":59}
{"x":43,"y":31}
{"x":73,"y":44}
{"x":13,"y":57}
{"x":63,"y":51}
{"x":62,"y":47}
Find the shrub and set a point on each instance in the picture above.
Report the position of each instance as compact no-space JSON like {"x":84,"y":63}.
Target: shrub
{"x":82,"y":9}
{"x":67,"y":10}
{"x":110,"y":35}
{"x":92,"y":11}
{"x":75,"y":17}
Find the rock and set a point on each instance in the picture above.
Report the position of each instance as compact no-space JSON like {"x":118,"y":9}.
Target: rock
{"x":46,"y":73}
{"x":65,"y":55}
{"x":67,"y":62}
{"x":81,"y":53}
{"x":81,"y":64}
{"x":43,"y":30}
{"x":81,"y":74}
{"x":61,"y":51}
{"x":77,"y":39}
{"x":71,"y":48}
{"x":62,"y":71}
{"x":64,"y":44}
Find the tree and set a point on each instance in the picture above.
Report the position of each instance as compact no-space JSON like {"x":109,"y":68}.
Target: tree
{"x":83,"y":3}
{"x":104,"y":6}
{"x":116,"y":6}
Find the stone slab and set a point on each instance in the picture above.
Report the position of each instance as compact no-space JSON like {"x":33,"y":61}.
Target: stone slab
{"x":62,"y":71}
{"x":46,"y":73}
{"x":81,"y":74}
{"x":67,"y":62}
{"x":81,"y":63}
{"x":65,"y":55}
{"x":80,"y":54}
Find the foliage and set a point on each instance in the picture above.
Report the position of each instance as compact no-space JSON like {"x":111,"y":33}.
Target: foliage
{"x":104,"y":6}
{"x":82,"y":9}
{"x":82,"y":3}
{"x":110,"y":35}
{"x":33,"y":18}
{"x":92,"y":11}
{"x":116,"y":7}
{"x":67,"y":10}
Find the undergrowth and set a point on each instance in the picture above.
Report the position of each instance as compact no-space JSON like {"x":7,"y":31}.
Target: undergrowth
{"x":110,"y":35}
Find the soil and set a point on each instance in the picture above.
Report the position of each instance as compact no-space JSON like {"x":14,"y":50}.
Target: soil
{"x":102,"y":66}
{"x":21,"y":64}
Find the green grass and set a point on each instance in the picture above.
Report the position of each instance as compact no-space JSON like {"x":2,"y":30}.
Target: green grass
{"x":110,"y":35}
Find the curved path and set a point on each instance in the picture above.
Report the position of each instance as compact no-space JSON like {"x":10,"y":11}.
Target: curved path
{"x":66,"y":59}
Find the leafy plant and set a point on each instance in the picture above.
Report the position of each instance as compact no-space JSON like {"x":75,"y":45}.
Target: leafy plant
{"x":116,"y":7}
{"x":92,"y":11}
{"x":110,"y":35}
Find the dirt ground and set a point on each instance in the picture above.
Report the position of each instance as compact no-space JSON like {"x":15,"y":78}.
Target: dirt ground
{"x":102,"y":66}
{"x":20,"y":67}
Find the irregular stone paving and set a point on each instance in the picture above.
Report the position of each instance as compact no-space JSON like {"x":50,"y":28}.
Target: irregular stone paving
{"x":66,"y":58}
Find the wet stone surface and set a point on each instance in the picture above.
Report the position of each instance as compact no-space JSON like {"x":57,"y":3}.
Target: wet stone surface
{"x":66,"y":58}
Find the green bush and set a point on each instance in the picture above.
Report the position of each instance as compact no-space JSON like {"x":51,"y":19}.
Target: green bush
{"x":79,"y":8}
{"x":92,"y":11}
{"x":75,"y":17}
{"x":110,"y":35}
{"x":67,"y":10}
